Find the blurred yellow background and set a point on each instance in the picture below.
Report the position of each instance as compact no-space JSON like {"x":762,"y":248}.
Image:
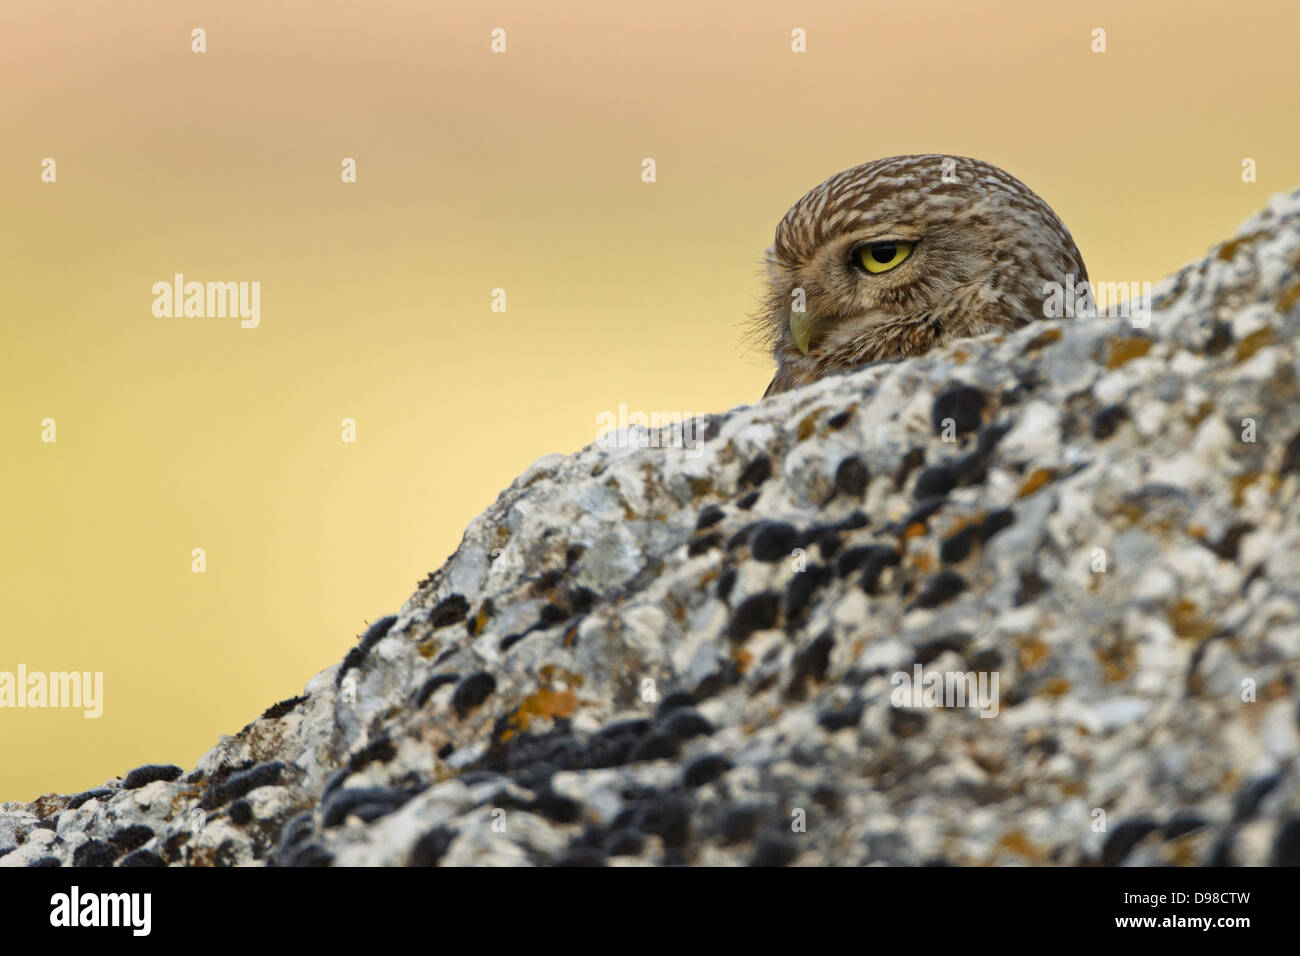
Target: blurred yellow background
{"x":475,"y":171}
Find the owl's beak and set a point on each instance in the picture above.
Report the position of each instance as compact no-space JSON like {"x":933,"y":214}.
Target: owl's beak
{"x":801,"y":329}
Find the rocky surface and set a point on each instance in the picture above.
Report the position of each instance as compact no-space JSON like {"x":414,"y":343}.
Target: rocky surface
{"x":666,"y":655}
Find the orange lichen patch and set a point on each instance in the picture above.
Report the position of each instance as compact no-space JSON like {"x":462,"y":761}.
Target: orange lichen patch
{"x":1185,"y":618}
{"x":1056,"y":686}
{"x":709,"y":576}
{"x":428,"y":649}
{"x":701,"y":487}
{"x":1239,"y":485}
{"x":543,"y":705}
{"x":571,"y":636}
{"x":1073,"y":788}
{"x":1037,"y":478}
{"x":1274,"y":690}
{"x":479,"y":621}
{"x":1032,"y":653}
{"x":1196,"y":531}
{"x":1124,"y":349}
{"x":923,"y":561}
{"x":550,"y":674}
{"x":1047,"y":337}
{"x":858,"y":647}
{"x":959,"y":357}
{"x":742,"y":658}
{"x":1117,"y":662}
{"x":809,"y":424}
{"x":1260,"y":338}
{"x":914,"y":530}
{"x":1228,"y":251}
{"x":1199,"y":414}
{"x":1289,"y":298}
{"x":1016,"y":842}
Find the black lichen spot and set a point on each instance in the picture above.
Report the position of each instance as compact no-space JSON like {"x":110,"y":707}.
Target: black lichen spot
{"x":1031,"y":586}
{"x":446,"y":750}
{"x":262,"y":775}
{"x":382,"y":751}
{"x":472,"y":691}
{"x":132,"y":837}
{"x":241,"y":812}
{"x":738,"y":824}
{"x":95,"y":853}
{"x":937,"y":480}
{"x":374,"y":634}
{"x":958,"y":546}
{"x":685,"y":724}
{"x":758,"y":612}
{"x":842,"y":718}
{"x":1286,"y":846}
{"x":142,"y":858}
{"x":747,"y":502}
{"x":851,"y":478}
{"x":989,"y":438}
{"x":677,"y":700}
{"x":810,"y":663}
{"x":709,"y":516}
{"x":726,"y":676}
{"x":772,"y":851}
{"x":705,"y":769}
{"x":923,"y":512}
{"x":147,"y":774}
{"x":658,"y":746}
{"x":1252,"y":795}
{"x":996,"y":521}
{"x":586,"y":856}
{"x":911,"y":461}
{"x":906,"y":723}
{"x":941,"y":588}
{"x":930,"y":650}
{"x":726,"y":581}
{"x":772,"y":541}
{"x":276,"y":711}
{"x":1229,"y":546}
{"x":1123,"y":838}
{"x":431,"y":685}
{"x":840,"y":419}
{"x":552,"y":614}
{"x":573,"y":553}
{"x":1181,"y":825}
{"x":1106,"y":422}
{"x":431,"y":848}
{"x":1220,"y":338}
{"x":450,"y":610}
{"x":704,"y":543}
{"x":964,"y":406}
{"x":756,"y":472}
{"x":1290,"y":456}
{"x":79,"y":799}
{"x":45,"y":862}
{"x":369,"y":803}
{"x":581,"y":599}
{"x":799,"y":592}
{"x":667,"y":817}
{"x":311,"y":855}
{"x":555,"y":807}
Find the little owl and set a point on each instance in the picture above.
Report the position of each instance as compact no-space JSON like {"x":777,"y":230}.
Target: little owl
{"x":898,"y":256}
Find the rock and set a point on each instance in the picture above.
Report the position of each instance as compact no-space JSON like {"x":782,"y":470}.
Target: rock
{"x":667,"y":655}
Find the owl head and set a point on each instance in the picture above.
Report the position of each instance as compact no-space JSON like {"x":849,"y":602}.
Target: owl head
{"x":900,"y":255}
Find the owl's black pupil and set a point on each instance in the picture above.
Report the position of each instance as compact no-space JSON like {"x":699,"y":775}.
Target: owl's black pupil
{"x":884,"y":252}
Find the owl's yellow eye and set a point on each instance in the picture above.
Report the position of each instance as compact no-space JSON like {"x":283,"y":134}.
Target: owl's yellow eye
{"x":883,"y":256}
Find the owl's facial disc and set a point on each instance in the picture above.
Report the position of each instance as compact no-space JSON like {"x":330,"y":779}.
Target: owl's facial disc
{"x":867,"y":261}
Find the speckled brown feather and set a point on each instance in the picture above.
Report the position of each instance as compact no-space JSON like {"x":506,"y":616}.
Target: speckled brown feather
{"x":984,"y":246}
